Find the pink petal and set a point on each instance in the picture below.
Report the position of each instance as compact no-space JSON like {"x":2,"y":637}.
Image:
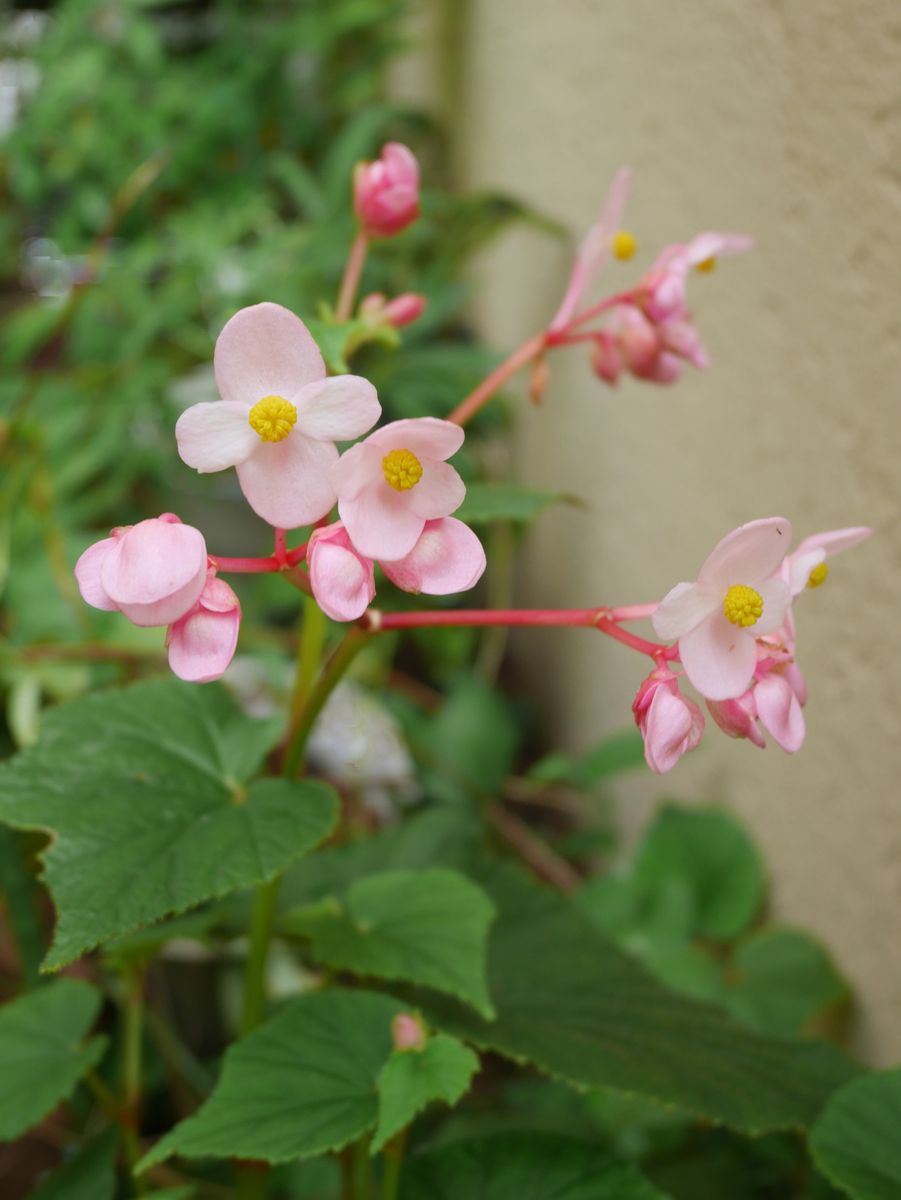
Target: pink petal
{"x":833,"y":541}
{"x":381,"y":523}
{"x":155,"y":572}
{"x":776,"y":598}
{"x":673,"y":727}
{"x":426,"y":437}
{"x":716,"y":245}
{"x":439,"y":492}
{"x":681,"y":609}
{"x":337,"y":409}
{"x":400,"y":163}
{"x":780,"y":711}
{"x":358,"y":468}
{"x":801,"y":563}
{"x":217,"y":596}
{"x":214,"y":436}
{"x":447,"y":558}
{"x":265,"y":350}
{"x":719,"y":658}
{"x":202,"y":644}
{"x":738,"y":718}
{"x":747,"y":555}
{"x":343,"y":581}
{"x":87,"y":573}
{"x":288,"y":483}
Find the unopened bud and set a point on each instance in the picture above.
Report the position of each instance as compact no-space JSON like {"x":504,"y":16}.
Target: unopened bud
{"x":386,"y":192}
{"x":405,"y":309}
{"x":408,"y":1032}
{"x":541,"y":374}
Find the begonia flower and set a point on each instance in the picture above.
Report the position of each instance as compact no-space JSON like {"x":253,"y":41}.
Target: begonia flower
{"x":447,"y":558}
{"x":734,"y":600}
{"x":671,"y":724}
{"x":662,"y":291}
{"x":278,"y":418}
{"x":152,"y":572}
{"x":597,"y":245}
{"x":202,"y":643}
{"x":807,"y":567}
{"x":386,"y":192}
{"x":775,"y":701}
{"x":389,"y":485}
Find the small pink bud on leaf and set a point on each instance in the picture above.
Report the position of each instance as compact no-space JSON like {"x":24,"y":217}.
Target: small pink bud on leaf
{"x":408,"y":1032}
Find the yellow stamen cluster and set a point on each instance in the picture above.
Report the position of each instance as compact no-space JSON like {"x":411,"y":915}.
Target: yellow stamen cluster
{"x":817,"y":575}
{"x":742,"y":605}
{"x":273,"y":418}
{"x":402,"y":470}
{"x":624,"y":245}
{"x":706,"y":265}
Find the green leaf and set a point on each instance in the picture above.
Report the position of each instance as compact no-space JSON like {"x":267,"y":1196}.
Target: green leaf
{"x":300,"y":1085}
{"x":856,"y":1143}
{"x":785,"y":980}
{"x":144,"y":794}
{"x":576,"y":1006}
{"x":44,"y":1052}
{"x":22,"y":894}
{"x":410,"y":1079}
{"x":527,"y":1166}
{"x":709,"y":850}
{"x":470,"y":744}
{"x":90,"y":1175}
{"x":487,"y":502}
{"x":425,"y":927}
{"x":610,"y":757}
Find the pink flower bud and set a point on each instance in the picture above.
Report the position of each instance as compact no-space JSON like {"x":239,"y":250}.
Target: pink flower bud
{"x":670,"y":723}
{"x":408,"y":1032}
{"x":605,"y":360}
{"x":202,"y":642}
{"x":342,"y":579}
{"x":386,"y":192}
{"x":738,"y":717}
{"x":405,"y":309}
{"x":152,"y":572}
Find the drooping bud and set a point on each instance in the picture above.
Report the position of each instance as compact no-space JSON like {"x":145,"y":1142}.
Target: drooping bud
{"x":669,"y":722}
{"x":202,"y":643}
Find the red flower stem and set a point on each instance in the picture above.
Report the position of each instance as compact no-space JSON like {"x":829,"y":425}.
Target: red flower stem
{"x":594,"y":311}
{"x":375,"y":621}
{"x":260,"y":566}
{"x":351,"y":279}
{"x":467,"y":409}
{"x":281,"y":548}
{"x":633,"y":612}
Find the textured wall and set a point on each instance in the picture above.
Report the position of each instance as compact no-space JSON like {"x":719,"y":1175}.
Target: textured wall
{"x":782,"y":119}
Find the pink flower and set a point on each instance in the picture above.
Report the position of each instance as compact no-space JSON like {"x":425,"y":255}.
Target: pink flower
{"x":806,"y":567}
{"x":152,"y":572}
{"x":775,"y":700}
{"x":717,"y":619}
{"x":631,"y":342}
{"x":670,"y":723}
{"x":447,"y":558}
{"x":386,"y":192}
{"x":662,"y":292}
{"x":278,"y":418}
{"x":343,"y":581}
{"x":594,"y":250}
{"x":202,"y":642}
{"x":393,"y":482}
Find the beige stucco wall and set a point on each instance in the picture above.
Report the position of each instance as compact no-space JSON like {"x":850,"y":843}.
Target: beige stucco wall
{"x":782,"y":118}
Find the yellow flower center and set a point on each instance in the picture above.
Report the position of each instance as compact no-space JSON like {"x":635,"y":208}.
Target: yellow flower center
{"x":624,"y":245}
{"x":817,"y":575}
{"x":402,"y":470}
{"x":742,"y":605}
{"x":273,"y":418}
{"x":706,"y":265}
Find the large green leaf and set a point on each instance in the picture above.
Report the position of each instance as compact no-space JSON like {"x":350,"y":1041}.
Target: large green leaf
{"x":524,"y":1166}
{"x":411,"y":1079}
{"x":144,"y":793}
{"x":427,"y":927}
{"x":44,"y":1052}
{"x":469,"y":746}
{"x":505,"y":502}
{"x":300,"y":1085}
{"x":90,"y":1175}
{"x":569,"y":1001}
{"x":610,"y":757}
{"x":856,"y":1141}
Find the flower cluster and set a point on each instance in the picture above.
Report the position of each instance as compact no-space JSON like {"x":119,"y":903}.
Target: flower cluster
{"x":734,"y":634}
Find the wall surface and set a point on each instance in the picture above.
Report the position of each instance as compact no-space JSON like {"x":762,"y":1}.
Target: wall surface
{"x":783,"y":119}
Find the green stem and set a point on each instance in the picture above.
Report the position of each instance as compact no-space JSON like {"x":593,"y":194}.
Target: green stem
{"x":362,"y":1169}
{"x":392,"y":1161}
{"x":347,"y":651}
{"x":132,"y":1039}
{"x":262,"y":922}
{"x":309,"y":659}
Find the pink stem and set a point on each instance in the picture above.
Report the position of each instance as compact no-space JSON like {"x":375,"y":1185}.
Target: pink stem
{"x":468,"y":408}
{"x":298,"y":554}
{"x":351,"y":279}
{"x":633,"y":612}
{"x":246,"y":565}
{"x":594,"y":311}
{"x":281,"y":548}
{"x":654,"y":649}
